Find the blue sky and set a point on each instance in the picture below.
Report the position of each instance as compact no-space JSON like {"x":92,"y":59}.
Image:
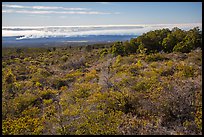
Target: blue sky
{"x":99,"y":13}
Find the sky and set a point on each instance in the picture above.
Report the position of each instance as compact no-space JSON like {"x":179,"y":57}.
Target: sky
{"x":99,"y":13}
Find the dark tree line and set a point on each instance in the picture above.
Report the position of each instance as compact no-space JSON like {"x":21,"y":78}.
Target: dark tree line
{"x":175,"y":40}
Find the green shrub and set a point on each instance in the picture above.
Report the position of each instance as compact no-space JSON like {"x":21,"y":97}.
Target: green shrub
{"x":188,"y":71}
{"x":64,"y":58}
{"x":58,"y":83}
{"x":182,"y":47}
{"x":118,"y":49}
{"x":9,"y":77}
{"x":38,"y":84}
{"x":155,"y":57}
{"x":185,"y":70}
{"x":103,"y":52}
{"x":145,"y":83}
{"x":22,"y":126}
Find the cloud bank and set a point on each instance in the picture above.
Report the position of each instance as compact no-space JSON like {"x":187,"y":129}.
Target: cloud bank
{"x":70,"y":31}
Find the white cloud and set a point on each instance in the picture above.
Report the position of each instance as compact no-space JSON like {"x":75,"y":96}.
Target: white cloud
{"x":45,"y":7}
{"x":7,"y":11}
{"x":41,"y":7}
{"x":103,"y":2}
{"x":50,"y":10}
{"x":54,"y":8}
{"x":14,"y":6}
{"x":54,"y":12}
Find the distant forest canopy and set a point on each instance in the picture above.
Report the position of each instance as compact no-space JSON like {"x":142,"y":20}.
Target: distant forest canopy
{"x":175,"y":40}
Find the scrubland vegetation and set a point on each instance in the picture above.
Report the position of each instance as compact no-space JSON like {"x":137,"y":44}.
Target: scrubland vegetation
{"x":150,"y":85}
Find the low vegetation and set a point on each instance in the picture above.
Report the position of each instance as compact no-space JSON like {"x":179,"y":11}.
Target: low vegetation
{"x":150,"y":85}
